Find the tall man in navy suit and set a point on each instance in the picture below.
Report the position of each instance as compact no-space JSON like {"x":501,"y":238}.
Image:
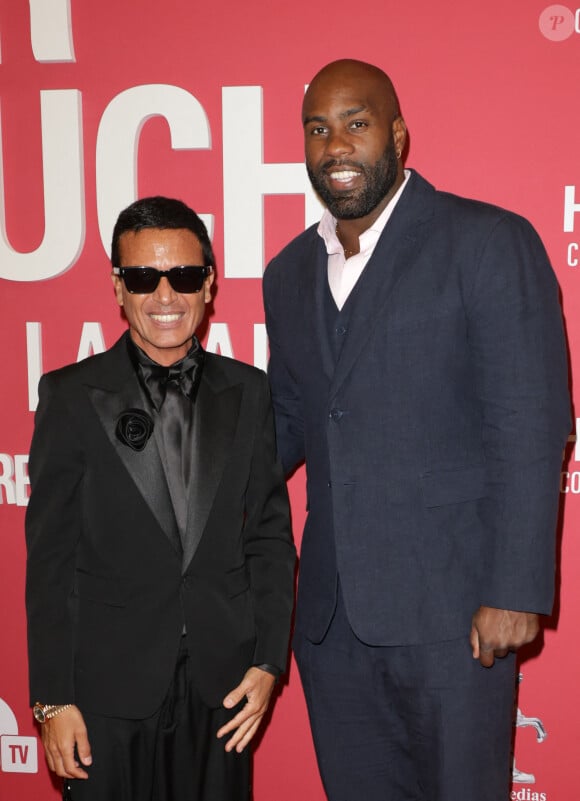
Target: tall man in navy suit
{"x":418,"y":366}
{"x":160,"y":563}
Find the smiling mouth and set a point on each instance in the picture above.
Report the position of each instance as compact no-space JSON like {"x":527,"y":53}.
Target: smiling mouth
{"x":343,"y":176}
{"x":165,"y":318}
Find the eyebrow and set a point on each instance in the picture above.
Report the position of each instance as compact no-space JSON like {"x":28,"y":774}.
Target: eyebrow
{"x":343,"y":115}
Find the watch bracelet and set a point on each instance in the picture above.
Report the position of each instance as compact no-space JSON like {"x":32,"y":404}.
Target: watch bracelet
{"x":52,"y":710}
{"x":56,"y":709}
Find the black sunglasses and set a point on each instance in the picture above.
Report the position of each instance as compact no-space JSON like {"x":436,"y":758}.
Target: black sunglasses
{"x":145,"y":280}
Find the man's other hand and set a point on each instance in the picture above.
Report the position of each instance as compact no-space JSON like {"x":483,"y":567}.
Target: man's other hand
{"x":59,"y":735}
{"x":494,"y":632}
{"x":256,"y":687}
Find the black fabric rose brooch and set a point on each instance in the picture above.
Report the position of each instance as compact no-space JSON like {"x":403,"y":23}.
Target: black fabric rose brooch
{"x":134,"y":427}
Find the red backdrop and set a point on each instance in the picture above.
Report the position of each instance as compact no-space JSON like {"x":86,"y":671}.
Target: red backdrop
{"x":101,"y":103}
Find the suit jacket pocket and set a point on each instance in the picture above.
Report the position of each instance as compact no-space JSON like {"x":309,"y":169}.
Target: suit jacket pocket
{"x":441,"y":487}
{"x":101,"y":589}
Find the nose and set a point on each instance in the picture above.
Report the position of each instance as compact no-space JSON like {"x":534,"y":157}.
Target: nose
{"x":338,"y":144}
{"x":164,"y":294}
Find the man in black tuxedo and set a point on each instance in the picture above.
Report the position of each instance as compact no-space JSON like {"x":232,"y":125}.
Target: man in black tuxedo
{"x":160,"y":562}
{"x":418,"y":365}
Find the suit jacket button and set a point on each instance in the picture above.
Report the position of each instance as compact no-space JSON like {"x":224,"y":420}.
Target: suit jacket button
{"x":335,"y":415}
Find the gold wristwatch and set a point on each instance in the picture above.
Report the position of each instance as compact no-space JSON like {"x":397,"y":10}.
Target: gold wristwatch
{"x":44,"y":712}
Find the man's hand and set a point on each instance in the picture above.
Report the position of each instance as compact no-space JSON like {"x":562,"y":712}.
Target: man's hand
{"x":494,"y":632}
{"x":256,"y":686}
{"x":59,"y":737}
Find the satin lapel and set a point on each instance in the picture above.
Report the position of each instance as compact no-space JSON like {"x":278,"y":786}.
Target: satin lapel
{"x":144,"y":467}
{"x":215,"y":421}
{"x":392,"y":259}
{"x":318,"y":265}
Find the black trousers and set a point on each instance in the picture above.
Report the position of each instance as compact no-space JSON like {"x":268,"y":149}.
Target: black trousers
{"x":172,"y":756}
{"x":407,"y":723}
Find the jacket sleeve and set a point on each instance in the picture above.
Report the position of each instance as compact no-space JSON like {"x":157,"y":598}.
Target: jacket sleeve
{"x":53,"y":517}
{"x":286,"y":400}
{"x":269,"y":550}
{"x":520,"y":372}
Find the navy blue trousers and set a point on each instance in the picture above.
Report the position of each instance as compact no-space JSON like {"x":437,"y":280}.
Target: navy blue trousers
{"x":407,"y":723}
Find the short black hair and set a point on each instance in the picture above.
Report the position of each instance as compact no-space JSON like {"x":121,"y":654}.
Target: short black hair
{"x":163,"y":213}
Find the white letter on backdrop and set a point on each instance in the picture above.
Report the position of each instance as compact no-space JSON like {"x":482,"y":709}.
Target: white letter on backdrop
{"x":51,"y":30}
{"x":64,"y":205}
{"x":219,"y":340}
{"x":34,"y":362}
{"x":570,"y":207}
{"x":260,"y":346}
{"x":92,"y":341}
{"x":247,"y":179}
{"x":118,"y":142}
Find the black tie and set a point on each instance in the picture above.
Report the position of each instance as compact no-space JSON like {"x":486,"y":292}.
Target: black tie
{"x":172,"y":391}
{"x":183,"y":376}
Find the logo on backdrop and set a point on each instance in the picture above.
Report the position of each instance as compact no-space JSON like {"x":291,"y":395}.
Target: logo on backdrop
{"x":558,"y":23}
{"x":570,"y":476}
{"x":14,"y":480}
{"x":245,"y":183}
{"x":521,"y":776}
{"x":17,"y":754}
{"x":571,"y":210}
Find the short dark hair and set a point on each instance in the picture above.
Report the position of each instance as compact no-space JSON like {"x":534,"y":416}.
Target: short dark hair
{"x":163,"y":213}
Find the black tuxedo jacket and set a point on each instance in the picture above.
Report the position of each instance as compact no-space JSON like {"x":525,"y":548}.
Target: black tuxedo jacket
{"x":433,"y":441}
{"x":109,"y":584}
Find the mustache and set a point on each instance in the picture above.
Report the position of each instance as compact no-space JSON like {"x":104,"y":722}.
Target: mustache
{"x":340,"y":164}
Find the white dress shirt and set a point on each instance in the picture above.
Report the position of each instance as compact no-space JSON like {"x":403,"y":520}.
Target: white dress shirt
{"x":344,"y":273}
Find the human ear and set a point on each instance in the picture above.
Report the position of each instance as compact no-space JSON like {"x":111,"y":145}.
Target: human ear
{"x":118,"y":287}
{"x":399,"y":135}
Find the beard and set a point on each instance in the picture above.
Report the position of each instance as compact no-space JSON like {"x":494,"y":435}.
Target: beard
{"x":380,"y":177}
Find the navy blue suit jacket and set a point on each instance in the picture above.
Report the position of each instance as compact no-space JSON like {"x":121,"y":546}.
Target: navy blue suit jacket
{"x":433,"y":445}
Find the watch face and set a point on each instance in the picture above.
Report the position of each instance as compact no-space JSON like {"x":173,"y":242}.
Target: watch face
{"x":38,"y":712}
